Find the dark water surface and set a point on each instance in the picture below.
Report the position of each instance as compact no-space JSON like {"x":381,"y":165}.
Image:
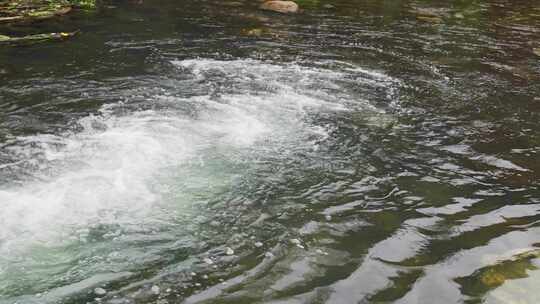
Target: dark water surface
{"x":207,"y":152}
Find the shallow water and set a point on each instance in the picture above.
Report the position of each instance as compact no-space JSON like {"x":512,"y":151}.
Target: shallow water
{"x":207,"y":152}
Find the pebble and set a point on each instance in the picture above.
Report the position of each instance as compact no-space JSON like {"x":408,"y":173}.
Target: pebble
{"x":208,"y":261}
{"x":258,"y":244}
{"x":192,"y":274}
{"x":100,"y":291}
{"x":198,"y":284}
{"x":155,"y":289}
{"x":229,"y":251}
{"x":268,"y":254}
{"x":205,"y":277}
{"x":328,"y":217}
{"x":295,"y":241}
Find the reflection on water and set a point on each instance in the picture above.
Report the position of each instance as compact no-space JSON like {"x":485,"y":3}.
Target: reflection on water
{"x":204,"y":152}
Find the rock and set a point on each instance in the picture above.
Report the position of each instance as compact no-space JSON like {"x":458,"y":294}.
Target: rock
{"x":269,"y":255}
{"x":100,"y":291}
{"x":328,"y":217}
{"x":258,"y":244}
{"x":229,"y":251}
{"x":492,"y":278}
{"x":536,"y":51}
{"x":155,"y":289}
{"x":295,"y":241}
{"x":279,"y":6}
{"x":328,"y":6}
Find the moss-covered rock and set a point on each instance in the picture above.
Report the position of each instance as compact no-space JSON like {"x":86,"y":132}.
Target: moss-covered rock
{"x":37,"y":38}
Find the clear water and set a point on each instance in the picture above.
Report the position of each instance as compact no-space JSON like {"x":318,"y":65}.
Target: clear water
{"x":207,"y":152}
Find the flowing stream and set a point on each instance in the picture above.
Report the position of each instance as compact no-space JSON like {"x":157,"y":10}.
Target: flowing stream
{"x":208,"y":152}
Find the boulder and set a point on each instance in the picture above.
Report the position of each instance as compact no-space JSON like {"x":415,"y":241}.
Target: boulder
{"x":284,"y":7}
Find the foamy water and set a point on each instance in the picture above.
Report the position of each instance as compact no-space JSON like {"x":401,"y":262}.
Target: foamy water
{"x":123,"y":175}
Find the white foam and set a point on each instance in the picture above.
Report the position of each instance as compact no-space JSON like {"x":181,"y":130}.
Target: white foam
{"x":111,"y":172}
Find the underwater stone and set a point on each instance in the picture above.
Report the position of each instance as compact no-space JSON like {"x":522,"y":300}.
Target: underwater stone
{"x":295,"y":241}
{"x":284,"y":7}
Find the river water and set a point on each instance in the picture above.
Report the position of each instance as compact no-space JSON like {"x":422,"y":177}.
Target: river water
{"x":208,"y":152}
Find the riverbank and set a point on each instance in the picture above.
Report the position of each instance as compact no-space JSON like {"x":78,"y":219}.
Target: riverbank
{"x":16,"y":13}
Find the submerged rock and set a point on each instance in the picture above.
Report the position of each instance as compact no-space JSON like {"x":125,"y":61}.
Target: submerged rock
{"x":100,"y":291}
{"x":30,"y":39}
{"x":431,"y":19}
{"x":284,"y":7}
{"x":155,"y":289}
{"x":256,"y":32}
{"x":229,"y":251}
{"x":295,"y":241}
